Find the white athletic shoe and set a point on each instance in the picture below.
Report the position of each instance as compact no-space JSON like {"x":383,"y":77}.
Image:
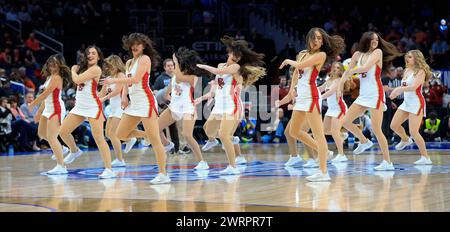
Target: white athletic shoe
{"x":311,"y":163}
{"x":202,"y":173}
{"x":293,"y":171}
{"x":160,"y":179}
{"x":240,"y":160}
{"x":72,"y":156}
{"x":210,"y":145}
{"x":65,"y":149}
{"x":330,"y":155}
{"x":423,"y":161}
{"x":344,"y":136}
{"x":58,"y":170}
{"x":401,"y":145}
{"x":339,"y":158}
{"x":236,"y":140}
{"x":117,"y":163}
{"x":202,"y":165}
{"x":107,"y":174}
{"x":230,"y":171}
{"x":293,"y":160}
{"x":145,"y":143}
{"x":129,"y":145}
{"x":319,"y":177}
{"x":362,"y":147}
{"x":169,"y":146}
{"x":385,"y":166}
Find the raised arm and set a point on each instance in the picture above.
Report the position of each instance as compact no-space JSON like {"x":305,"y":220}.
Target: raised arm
{"x":117,"y":90}
{"x":232,"y":69}
{"x":373,"y":58}
{"x":143,"y":64}
{"x":316,"y":59}
{"x":333,"y":89}
{"x":180,"y":76}
{"x":93,"y":72}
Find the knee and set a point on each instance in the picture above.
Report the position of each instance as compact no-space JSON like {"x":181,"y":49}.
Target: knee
{"x":186,"y":135}
{"x":223,"y":135}
{"x":98,"y":135}
{"x":394,"y":126}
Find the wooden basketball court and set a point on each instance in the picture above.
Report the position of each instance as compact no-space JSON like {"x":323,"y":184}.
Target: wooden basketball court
{"x":265,"y":184}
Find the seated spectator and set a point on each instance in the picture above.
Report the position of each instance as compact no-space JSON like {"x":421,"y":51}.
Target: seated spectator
{"x":432,"y":128}
{"x":32,"y":43}
{"x":29,"y":116}
{"x":248,"y":127}
{"x":5,"y":124}
{"x":22,"y":128}
{"x":276,"y":132}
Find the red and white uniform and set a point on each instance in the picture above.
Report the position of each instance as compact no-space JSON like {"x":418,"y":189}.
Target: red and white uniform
{"x":182,"y":99}
{"x":308,"y":95}
{"x":226,"y":97}
{"x":336,"y":108}
{"x":371,"y":93}
{"x":115,"y":103}
{"x":413,"y":102}
{"x":54,"y":106}
{"x":87,"y":102}
{"x":142,"y":101}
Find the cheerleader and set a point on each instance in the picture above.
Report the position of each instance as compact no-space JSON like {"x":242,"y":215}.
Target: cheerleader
{"x":336,"y":110}
{"x":321,"y":46}
{"x":181,"y":107}
{"x":372,"y":55}
{"x":417,"y":73}
{"x":142,"y":105}
{"x":87,"y":105}
{"x":115,"y":68}
{"x":52,"y":110}
{"x":243,"y":67}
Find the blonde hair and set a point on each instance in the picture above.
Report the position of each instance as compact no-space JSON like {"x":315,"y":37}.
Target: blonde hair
{"x":253,"y":74}
{"x":115,"y":62}
{"x":339,"y":75}
{"x":420,"y":64}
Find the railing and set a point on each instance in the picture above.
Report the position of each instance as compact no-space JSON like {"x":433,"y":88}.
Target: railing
{"x":47,"y":41}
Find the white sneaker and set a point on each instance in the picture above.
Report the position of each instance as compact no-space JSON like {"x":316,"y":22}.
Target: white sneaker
{"x":311,"y":163}
{"x":319,"y":177}
{"x":362,"y":147}
{"x":117,"y":163}
{"x":65,"y":149}
{"x":202,"y":173}
{"x":293,"y":171}
{"x":129,"y":145}
{"x":423,"y":161}
{"x":401,"y":145}
{"x":107,"y":174}
{"x":330,"y":155}
{"x":293,"y":160}
{"x":169,"y":146}
{"x":202,"y":165}
{"x":160,"y":179}
{"x":344,"y":136}
{"x":385,"y":166}
{"x":236,"y":140}
{"x":230,"y":171}
{"x":72,"y":156}
{"x":210,"y":145}
{"x":339,"y":158}
{"x":145,"y":143}
{"x":240,"y":160}
{"x":58,"y":170}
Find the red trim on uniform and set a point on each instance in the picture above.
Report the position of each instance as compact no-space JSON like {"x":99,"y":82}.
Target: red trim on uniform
{"x":314,"y":90}
{"x":421,"y":100}
{"x":97,"y":99}
{"x":379,"y":86}
{"x":191,"y":94}
{"x":149,"y":94}
{"x":343,"y":108}
{"x":56,"y":104}
{"x":234,"y":96}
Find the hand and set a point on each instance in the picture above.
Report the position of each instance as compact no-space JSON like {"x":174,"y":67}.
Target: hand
{"x":124,"y":103}
{"x":202,"y":66}
{"x":290,"y":107}
{"x":209,"y":101}
{"x":394,"y":106}
{"x":277,"y":103}
{"x":198,"y":101}
{"x":395,"y":93}
{"x":285,"y":62}
{"x":174,"y":58}
{"x":75,"y":68}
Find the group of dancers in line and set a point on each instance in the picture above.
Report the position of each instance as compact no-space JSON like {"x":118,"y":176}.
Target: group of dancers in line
{"x":132,"y":101}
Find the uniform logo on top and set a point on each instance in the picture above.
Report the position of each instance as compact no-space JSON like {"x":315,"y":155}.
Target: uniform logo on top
{"x":220,"y":83}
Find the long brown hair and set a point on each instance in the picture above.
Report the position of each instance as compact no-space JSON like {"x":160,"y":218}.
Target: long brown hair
{"x":420,"y":64}
{"x":188,"y":60}
{"x":84,"y":62}
{"x":149,"y":46}
{"x":332,"y":45}
{"x":390,"y":52}
{"x":64,"y":70}
{"x":250,"y":61}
